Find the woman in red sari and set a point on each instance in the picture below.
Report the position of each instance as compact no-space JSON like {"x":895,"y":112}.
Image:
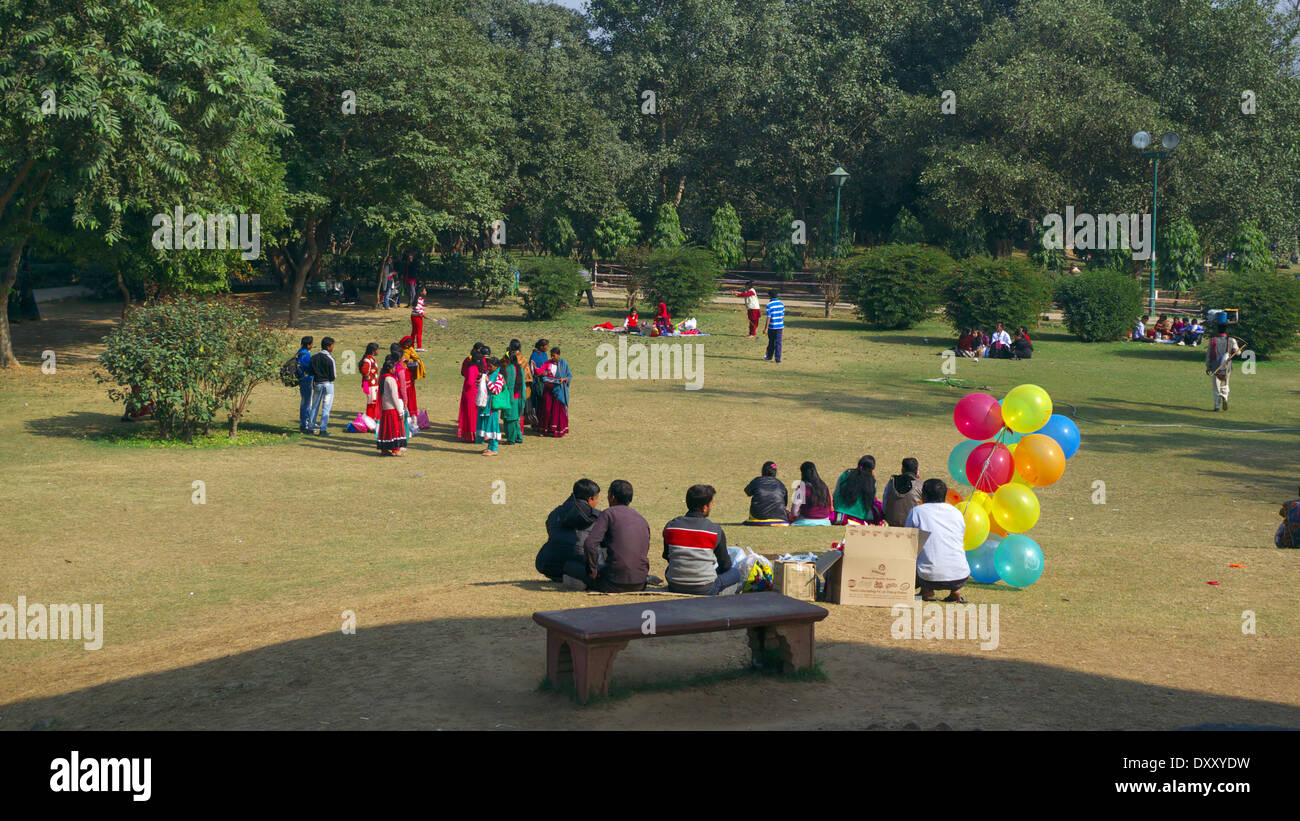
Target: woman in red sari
{"x":370,"y":380}
{"x":391,"y":437}
{"x":663,"y":321}
{"x":467,"y":420}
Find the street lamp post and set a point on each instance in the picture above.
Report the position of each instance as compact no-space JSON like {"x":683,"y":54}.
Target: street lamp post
{"x":1168,"y":142}
{"x":839,"y":175}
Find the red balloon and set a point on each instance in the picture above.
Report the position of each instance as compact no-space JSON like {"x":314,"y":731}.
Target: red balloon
{"x":977,"y":416}
{"x":990,"y":466}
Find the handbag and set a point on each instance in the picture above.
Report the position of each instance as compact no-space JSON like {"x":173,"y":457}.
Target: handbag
{"x":422,"y":420}
{"x":501,"y":401}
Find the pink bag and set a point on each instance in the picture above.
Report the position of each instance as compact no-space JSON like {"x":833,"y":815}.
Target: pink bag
{"x":422,"y":420}
{"x":363,"y":422}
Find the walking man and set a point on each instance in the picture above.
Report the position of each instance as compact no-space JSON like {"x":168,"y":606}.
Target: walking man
{"x":304,"y":383}
{"x":1218,"y":364}
{"x":775,"y":326}
{"x":586,"y":289}
{"x":323,"y":374}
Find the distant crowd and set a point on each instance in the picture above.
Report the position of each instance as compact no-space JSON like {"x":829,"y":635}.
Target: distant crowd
{"x":975,"y":344}
{"x":1180,"y":330}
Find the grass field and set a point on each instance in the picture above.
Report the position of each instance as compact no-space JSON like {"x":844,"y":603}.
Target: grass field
{"x":228,"y":614}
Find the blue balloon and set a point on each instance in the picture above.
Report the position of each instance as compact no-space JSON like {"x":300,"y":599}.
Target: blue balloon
{"x":1019,"y":560}
{"x":982,"y":567}
{"x":1064,"y":431}
{"x":957,"y":460}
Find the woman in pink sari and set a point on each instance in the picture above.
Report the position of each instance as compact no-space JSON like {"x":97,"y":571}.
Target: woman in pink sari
{"x":467,"y":420}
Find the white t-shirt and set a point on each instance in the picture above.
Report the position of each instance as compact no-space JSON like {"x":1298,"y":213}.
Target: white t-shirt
{"x":1001,"y":338}
{"x":943,"y":558}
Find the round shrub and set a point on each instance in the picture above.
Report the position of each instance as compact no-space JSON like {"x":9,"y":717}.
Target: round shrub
{"x":897,"y":286}
{"x":1099,"y":306}
{"x":550,"y":285}
{"x":984,"y":291}
{"x":490,"y":276}
{"x":682,"y":278}
{"x":1268,"y":302}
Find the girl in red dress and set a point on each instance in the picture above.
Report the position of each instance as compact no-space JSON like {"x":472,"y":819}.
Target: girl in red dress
{"x":391,"y":438}
{"x":370,"y":380}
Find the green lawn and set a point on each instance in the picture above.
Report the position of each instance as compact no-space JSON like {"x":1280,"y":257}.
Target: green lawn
{"x":1122,"y":630}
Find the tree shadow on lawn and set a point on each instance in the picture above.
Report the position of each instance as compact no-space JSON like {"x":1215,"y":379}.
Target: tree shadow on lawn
{"x":1156,"y":350}
{"x":111,"y":429}
{"x":465,"y":673}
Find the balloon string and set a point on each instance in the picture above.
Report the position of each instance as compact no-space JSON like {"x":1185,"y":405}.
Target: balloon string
{"x":997,"y":440}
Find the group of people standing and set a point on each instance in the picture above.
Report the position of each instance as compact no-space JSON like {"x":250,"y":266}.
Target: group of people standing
{"x":855,"y":500}
{"x":501,"y":396}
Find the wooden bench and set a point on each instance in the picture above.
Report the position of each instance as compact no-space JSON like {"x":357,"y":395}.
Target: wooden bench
{"x":581,"y":643}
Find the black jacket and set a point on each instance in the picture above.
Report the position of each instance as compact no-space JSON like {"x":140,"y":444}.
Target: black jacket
{"x":566,"y":529}
{"x":769,"y":498}
{"x":322,"y":367}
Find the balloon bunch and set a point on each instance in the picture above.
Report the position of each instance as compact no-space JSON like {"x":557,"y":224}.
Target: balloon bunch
{"x":1011,"y":447}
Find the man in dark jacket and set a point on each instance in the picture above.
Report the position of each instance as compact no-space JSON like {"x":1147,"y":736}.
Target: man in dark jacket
{"x":768,"y":497}
{"x":693,"y":545}
{"x":323,"y":374}
{"x":617,"y":548}
{"x":566,"y":529}
{"x":304,"y":383}
{"x":902,"y":493}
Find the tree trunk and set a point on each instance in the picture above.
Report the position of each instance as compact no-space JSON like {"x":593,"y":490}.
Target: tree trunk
{"x":303,"y":267}
{"x":7,"y":358}
{"x":126,"y":294}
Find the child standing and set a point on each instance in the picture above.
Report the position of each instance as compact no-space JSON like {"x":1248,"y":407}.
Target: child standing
{"x":417,"y":320}
{"x":491,"y":383}
{"x":775,"y":326}
{"x":391,"y":436}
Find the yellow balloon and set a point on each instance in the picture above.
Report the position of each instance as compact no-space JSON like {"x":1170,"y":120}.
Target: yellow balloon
{"x":977,"y":526}
{"x":1040,"y":460}
{"x":982,"y":499}
{"x":1026,"y":408}
{"x":1020,"y":480}
{"x":1015,"y":507}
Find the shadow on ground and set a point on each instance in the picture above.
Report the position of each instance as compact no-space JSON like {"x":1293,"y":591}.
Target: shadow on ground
{"x":484,"y":673}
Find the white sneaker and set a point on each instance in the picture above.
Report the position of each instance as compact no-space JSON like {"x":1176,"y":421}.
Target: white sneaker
{"x":420,"y":349}
{"x":571,"y":583}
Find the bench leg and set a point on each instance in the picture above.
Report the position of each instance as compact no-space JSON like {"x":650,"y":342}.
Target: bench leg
{"x":592,"y":664}
{"x":793,"y":641}
{"x":559,"y":660}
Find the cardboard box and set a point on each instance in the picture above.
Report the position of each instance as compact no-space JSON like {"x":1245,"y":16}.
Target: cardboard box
{"x":878,"y":568}
{"x":798,"y":580}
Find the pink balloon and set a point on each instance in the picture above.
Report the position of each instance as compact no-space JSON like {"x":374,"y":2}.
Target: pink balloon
{"x":977,"y":416}
{"x":990,"y":466}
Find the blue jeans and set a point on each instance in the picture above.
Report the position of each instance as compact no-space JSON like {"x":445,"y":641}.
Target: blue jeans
{"x":304,"y":390}
{"x":322,"y":399}
{"x":388,"y":297}
{"x":774,"y":343}
{"x":726,"y":579}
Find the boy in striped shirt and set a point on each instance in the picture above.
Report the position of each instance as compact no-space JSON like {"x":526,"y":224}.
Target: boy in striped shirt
{"x":693,"y":545}
{"x":417,"y":320}
{"x":775,"y":326}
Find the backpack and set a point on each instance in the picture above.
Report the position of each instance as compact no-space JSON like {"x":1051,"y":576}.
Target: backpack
{"x":289,"y":372}
{"x":1288,"y":534}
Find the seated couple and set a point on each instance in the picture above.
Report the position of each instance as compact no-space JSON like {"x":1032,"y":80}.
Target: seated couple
{"x":854,"y":500}
{"x":610,"y":551}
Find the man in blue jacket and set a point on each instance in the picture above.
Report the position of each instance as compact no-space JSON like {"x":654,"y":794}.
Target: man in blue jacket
{"x":304,"y":382}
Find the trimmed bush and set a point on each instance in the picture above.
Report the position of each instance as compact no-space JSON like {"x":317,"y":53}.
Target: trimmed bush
{"x":490,"y":277}
{"x":984,"y":291}
{"x":191,"y":358}
{"x":897,"y":286}
{"x":550,"y":286}
{"x":1268,"y":302}
{"x":682,"y":278}
{"x":1099,"y":306}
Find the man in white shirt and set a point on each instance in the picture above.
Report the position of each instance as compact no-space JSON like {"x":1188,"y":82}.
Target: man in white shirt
{"x":1000,"y":344}
{"x":751,"y":307}
{"x":941,"y":564}
{"x":1140,"y":330}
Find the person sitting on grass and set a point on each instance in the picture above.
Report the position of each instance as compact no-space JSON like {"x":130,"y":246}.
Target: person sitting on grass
{"x":1192,"y":333}
{"x":616,"y":552}
{"x":632,"y":324}
{"x":1021,"y":347}
{"x":902,"y":493}
{"x":1288,"y":533}
{"x":971,"y":344}
{"x":767,"y":498}
{"x":1140,"y":329}
{"x":1164,"y":327}
{"x":567,"y":527}
{"x":811,"y":503}
{"x":855,"y":496}
{"x":941,"y":564}
{"x":1000,"y":345}
{"x":696,"y":549}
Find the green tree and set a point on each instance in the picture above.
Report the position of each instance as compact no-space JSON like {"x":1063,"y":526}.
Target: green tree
{"x":550,"y":286}
{"x":907,"y":229}
{"x":897,"y":286}
{"x":984,"y":291}
{"x":415,"y":159}
{"x":782,"y":256}
{"x":1268,"y":305}
{"x":101,"y":123}
{"x":1178,"y":257}
{"x":490,"y":276}
{"x":615,"y":231}
{"x":667,"y":231}
{"x":1250,"y":251}
{"x":1100,"y":305}
{"x":725,"y":240}
{"x":559,"y":236}
{"x":682,"y":278}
